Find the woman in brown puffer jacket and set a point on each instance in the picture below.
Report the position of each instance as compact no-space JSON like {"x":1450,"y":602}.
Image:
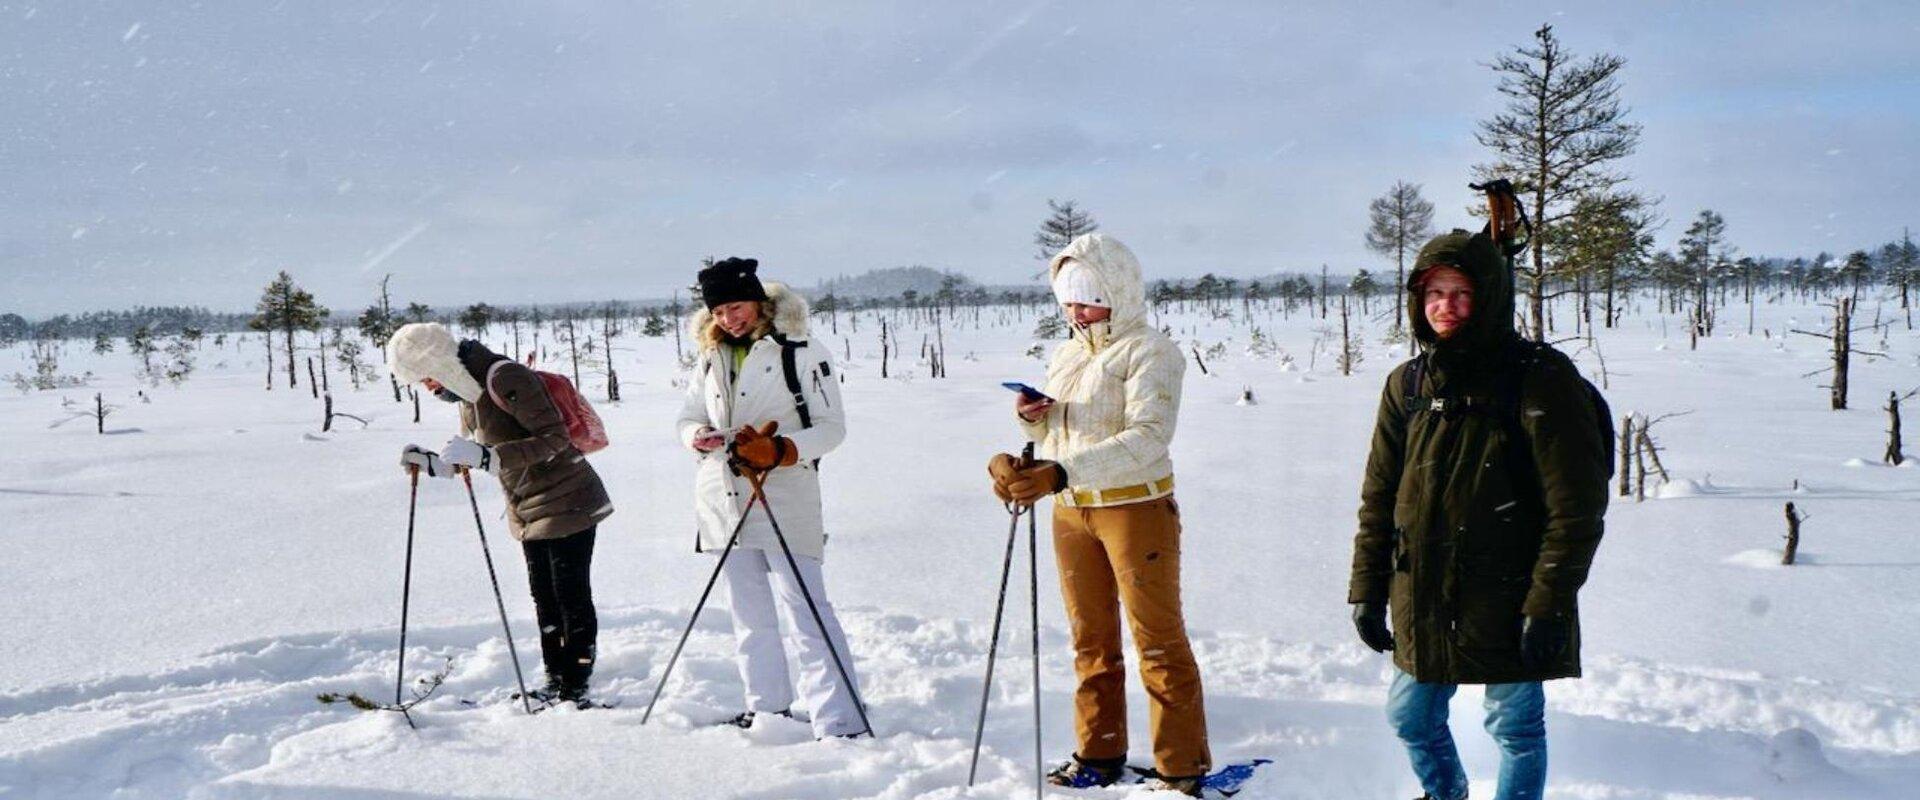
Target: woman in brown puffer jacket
{"x":555,"y":500}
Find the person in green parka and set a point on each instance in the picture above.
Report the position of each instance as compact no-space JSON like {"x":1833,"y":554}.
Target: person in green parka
{"x":1480,"y":511}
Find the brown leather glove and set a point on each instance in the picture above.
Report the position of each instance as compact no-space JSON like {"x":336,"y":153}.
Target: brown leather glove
{"x":1023,"y":484}
{"x":761,"y":451}
{"x":1004,"y":468}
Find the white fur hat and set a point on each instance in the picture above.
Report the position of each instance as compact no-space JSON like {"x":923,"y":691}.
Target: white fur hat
{"x":1075,"y":283}
{"x":422,"y":350}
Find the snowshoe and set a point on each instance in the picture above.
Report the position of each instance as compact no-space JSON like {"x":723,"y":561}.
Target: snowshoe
{"x":1223,"y":782}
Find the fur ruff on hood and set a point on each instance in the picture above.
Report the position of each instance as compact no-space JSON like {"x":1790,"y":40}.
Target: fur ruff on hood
{"x":784,"y":312}
{"x":422,"y":350}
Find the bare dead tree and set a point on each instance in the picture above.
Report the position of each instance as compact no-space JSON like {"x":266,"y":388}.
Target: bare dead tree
{"x":1349,"y":355}
{"x":1640,"y":466}
{"x":1201,"y":361}
{"x":326,"y":422}
{"x":98,"y":413}
{"x":1645,"y":449}
{"x":1894,"y":455}
{"x":883,"y":347}
{"x":311,"y":383}
{"x":1794,"y":518}
{"x":1843,"y":351}
{"x":1626,"y":451}
{"x":940,"y":345}
{"x":1653,"y":453}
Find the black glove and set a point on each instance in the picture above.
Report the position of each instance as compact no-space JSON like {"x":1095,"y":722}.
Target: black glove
{"x":1370,"y":619}
{"x":1543,"y":639}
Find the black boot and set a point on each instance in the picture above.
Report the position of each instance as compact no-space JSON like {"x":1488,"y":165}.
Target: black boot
{"x":745,"y":718}
{"x":1081,"y":773}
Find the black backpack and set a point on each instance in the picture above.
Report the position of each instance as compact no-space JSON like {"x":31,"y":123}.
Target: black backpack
{"x":1505,"y":404}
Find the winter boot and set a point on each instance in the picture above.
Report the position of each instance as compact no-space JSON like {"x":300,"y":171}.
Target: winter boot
{"x":1081,"y":773}
{"x":745,"y":718}
{"x":1189,"y":786}
{"x":571,"y":689}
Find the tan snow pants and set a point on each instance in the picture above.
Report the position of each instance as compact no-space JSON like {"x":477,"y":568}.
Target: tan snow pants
{"x":1129,"y":555}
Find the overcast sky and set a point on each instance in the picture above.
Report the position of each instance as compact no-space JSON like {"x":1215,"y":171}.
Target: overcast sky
{"x":180,"y":153}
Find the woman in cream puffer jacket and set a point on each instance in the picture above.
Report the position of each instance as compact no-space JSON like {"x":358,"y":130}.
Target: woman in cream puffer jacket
{"x":1116,"y":384}
{"x":1116,"y":528}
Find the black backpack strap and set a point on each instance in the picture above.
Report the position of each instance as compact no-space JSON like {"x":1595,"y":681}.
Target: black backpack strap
{"x":1410,"y":382}
{"x":792,"y":370}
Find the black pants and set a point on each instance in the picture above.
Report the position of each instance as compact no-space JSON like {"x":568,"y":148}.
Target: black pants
{"x":560,"y":572}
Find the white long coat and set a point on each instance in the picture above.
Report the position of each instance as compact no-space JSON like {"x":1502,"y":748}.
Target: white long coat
{"x":760,"y":394}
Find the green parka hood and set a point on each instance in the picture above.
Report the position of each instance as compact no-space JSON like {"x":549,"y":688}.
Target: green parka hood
{"x":1491,"y":323}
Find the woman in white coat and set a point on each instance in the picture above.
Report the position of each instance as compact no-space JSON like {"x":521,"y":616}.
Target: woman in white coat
{"x":752,"y":347}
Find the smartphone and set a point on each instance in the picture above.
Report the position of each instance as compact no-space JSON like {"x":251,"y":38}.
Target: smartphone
{"x":1031,"y":394}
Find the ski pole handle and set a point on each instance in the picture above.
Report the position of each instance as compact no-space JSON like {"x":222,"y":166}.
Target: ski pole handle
{"x":1026,"y":455}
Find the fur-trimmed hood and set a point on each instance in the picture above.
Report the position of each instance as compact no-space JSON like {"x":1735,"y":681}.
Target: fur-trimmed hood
{"x":785,"y":312}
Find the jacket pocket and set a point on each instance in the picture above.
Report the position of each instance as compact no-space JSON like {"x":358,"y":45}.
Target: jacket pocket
{"x":1488,"y":616}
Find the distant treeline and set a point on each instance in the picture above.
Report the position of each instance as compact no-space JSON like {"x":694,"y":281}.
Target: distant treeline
{"x":163,"y":320}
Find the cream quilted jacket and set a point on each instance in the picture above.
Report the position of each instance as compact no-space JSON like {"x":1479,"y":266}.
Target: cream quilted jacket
{"x":1117,"y":384}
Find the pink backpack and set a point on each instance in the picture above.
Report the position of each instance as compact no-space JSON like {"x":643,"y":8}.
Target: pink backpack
{"x":585,"y":431}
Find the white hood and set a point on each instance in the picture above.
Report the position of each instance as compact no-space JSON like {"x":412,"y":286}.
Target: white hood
{"x":1116,"y":270}
{"x":422,"y":350}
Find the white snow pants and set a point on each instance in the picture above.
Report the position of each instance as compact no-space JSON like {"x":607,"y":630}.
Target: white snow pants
{"x":755,"y":580}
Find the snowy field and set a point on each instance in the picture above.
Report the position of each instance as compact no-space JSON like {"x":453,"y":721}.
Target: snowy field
{"x":178,"y":591}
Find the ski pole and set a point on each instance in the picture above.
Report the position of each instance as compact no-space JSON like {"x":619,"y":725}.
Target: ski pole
{"x":1033,"y":595}
{"x":525,"y":700}
{"x":732,"y":539}
{"x":406,"y":590}
{"x":993,"y":643}
{"x":758,"y":479}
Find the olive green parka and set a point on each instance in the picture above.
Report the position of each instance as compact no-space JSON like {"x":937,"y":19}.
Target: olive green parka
{"x":1478,"y":513}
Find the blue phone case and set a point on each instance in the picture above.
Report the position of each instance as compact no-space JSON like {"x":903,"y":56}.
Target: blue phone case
{"x":1025,"y":391}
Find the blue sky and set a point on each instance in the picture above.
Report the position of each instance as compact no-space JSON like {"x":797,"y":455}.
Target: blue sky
{"x":173,"y":153}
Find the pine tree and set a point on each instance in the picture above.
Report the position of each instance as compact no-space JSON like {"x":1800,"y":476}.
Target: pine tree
{"x":1066,"y":223}
{"x":1557,"y":139}
{"x":654,"y":327}
{"x":287,"y":308}
{"x":1858,"y":270}
{"x":377,"y":323}
{"x":1398,"y":222}
{"x":1701,"y":251}
{"x":140,"y":343}
{"x":1608,"y":238}
{"x":476,"y":318}
{"x":1365,"y":286}
{"x":102,"y":343}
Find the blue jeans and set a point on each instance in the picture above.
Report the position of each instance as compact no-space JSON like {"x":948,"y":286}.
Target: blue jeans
{"x":1516,"y":717}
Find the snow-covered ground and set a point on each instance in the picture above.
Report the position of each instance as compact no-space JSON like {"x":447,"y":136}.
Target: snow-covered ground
{"x":179,"y":591}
